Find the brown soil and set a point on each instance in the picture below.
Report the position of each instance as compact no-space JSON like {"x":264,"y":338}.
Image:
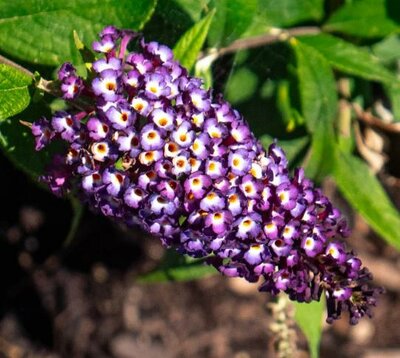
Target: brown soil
{"x":84,"y":300}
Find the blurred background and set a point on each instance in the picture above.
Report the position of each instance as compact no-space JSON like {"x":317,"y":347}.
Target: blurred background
{"x":320,"y":76}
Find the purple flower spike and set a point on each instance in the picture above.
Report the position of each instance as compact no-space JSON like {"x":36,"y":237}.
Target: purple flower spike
{"x":153,"y":148}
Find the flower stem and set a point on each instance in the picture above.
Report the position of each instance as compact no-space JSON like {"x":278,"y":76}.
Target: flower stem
{"x":275,"y":35}
{"x":282,"y":327}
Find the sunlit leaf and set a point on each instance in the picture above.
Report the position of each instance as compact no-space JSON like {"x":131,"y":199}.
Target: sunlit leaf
{"x":318,"y":99}
{"x":231,"y":20}
{"x":189,"y":45}
{"x":41,"y":31}
{"x":366,"y":18}
{"x":309,"y":318}
{"x":349,"y":58}
{"x":364,"y":192}
{"x":14,"y":93}
{"x":175,"y":267}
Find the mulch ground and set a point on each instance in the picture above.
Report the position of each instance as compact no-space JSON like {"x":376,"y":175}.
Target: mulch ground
{"x":83,"y":300}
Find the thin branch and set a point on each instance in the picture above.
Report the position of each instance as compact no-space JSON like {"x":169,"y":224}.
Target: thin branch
{"x":371,"y":120}
{"x":276,"y":35}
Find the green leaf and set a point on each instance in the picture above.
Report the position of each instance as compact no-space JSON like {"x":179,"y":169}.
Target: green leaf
{"x":87,"y":56}
{"x":14,"y":93}
{"x":349,"y":58}
{"x":231,"y":20}
{"x":17,"y":142}
{"x":193,"y":8}
{"x":284,"y":13}
{"x":40,"y":31}
{"x":176,"y":267}
{"x":309,"y":318}
{"x":78,"y":211}
{"x":366,"y":18}
{"x":364,"y":192}
{"x":241,"y":85}
{"x":322,"y":152}
{"x":388,"y":49}
{"x":189,"y":45}
{"x":317,"y":87}
{"x":318,"y":100}
{"x":393,"y":93}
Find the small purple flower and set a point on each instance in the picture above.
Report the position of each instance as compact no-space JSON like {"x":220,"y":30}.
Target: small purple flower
{"x":200,"y":99}
{"x":105,"y":45}
{"x":336,"y":251}
{"x":155,"y":86}
{"x":106,"y":85}
{"x":66,"y":70}
{"x":128,"y":141}
{"x":250,"y":187}
{"x":212,"y":202}
{"x":66,"y":125}
{"x":139,"y":62}
{"x":141,"y":105}
{"x":43,"y":133}
{"x":197,"y":184}
{"x":92,"y":182}
{"x":287,"y":195}
{"x":150,"y":138}
{"x":134,"y":196}
{"x":183,"y":135}
{"x":163,"y":52}
{"x":97,"y":129}
{"x":248,"y":227}
{"x":120,"y":118}
{"x":113,"y":181}
{"x":311,"y":246}
{"x":200,"y":145}
{"x":58,"y":176}
{"x":240,"y":132}
{"x":100,"y":151}
{"x":239,"y":162}
{"x":214,"y":168}
{"x":218,"y":221}
{"x":161,"y":205}
{"x":235,"y":201}
{"x":110,"y":31}
{"x":107,"y":64}
{"x":214,"y":129}
{"x":255,"y":254}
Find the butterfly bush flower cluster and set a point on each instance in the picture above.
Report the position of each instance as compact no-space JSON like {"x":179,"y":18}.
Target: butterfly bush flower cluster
{"x":154,"y":148}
